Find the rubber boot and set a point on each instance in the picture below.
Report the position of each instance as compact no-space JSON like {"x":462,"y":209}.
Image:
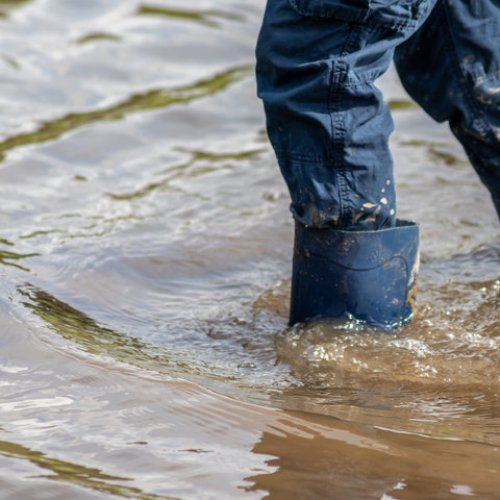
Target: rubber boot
{"x":366,"y":275}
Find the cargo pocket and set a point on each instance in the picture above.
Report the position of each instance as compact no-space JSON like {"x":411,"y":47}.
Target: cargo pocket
{"x":343,"y":10}
{"x":399,"y":15}
{"x":392,"y":14}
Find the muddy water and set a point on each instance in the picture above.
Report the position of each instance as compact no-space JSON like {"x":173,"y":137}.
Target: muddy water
{"x":145,"y":255}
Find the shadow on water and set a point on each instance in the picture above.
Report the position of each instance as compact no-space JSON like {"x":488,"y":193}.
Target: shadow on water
{"x":151,"y":100}
{"x":205,"y":17}
{"x":79,"y":475}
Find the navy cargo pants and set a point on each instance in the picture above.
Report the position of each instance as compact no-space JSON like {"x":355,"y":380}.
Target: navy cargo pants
{"x":317,"y":61}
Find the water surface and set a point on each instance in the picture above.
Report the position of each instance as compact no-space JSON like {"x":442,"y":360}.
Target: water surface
{"x":145,"y":251}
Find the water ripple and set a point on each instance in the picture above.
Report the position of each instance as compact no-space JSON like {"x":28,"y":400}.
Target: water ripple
{"x":147,"y":101}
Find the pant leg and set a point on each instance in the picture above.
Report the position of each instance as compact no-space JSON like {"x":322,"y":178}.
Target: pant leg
{"x":451,"y":67}
{"x":317,"y":61}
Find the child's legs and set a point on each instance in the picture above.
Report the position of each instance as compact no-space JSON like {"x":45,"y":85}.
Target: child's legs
{"x":451,"y":67}
{"x":317,"y":61}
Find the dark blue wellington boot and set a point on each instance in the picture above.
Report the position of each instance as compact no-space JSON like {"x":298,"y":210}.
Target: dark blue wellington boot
{"x":367,"y":275}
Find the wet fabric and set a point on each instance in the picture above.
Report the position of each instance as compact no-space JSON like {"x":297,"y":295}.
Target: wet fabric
{"x":317,"y":61}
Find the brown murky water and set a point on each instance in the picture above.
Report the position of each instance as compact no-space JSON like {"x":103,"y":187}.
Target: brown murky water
{"x":145,"y":250}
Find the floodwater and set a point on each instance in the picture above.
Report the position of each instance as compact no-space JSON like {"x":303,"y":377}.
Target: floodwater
{"x":145,"y":259}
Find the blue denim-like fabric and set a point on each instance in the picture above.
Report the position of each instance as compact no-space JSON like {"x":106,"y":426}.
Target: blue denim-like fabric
{"x":317,"y":61}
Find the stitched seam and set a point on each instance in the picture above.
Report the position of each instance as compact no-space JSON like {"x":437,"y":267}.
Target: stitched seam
{"x":395,"y":25}
{"x":334,"y":83}
{"x":403,"y":24}
{"x":336,"y":160}
{"x":357,"y":15}
{"x":304,"y":157}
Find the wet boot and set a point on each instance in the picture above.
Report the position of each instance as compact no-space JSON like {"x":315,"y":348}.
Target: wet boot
{"x":365,"y":275}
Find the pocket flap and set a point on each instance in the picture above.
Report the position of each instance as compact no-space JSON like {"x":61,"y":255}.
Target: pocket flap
{"x":346,"y":10}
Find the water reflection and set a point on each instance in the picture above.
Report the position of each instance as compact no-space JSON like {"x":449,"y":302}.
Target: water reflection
{"x":7,"y":6}
{"x":173,"y":359}
{"x":10,"y":61}
{"x":191,"y":168}
{"x":437,"y":152}
{"x":83,"y":331}
{"x":153,"y":99}
{"x":315,"y":458}
{"x":205,"y":17}
{"x":67,"y":472}
{"x":96,"y":37}
{"x":436,"y":377}
{"x":401,"y":104}
{"x":165,"y":257}
{"x":8,"y":258}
